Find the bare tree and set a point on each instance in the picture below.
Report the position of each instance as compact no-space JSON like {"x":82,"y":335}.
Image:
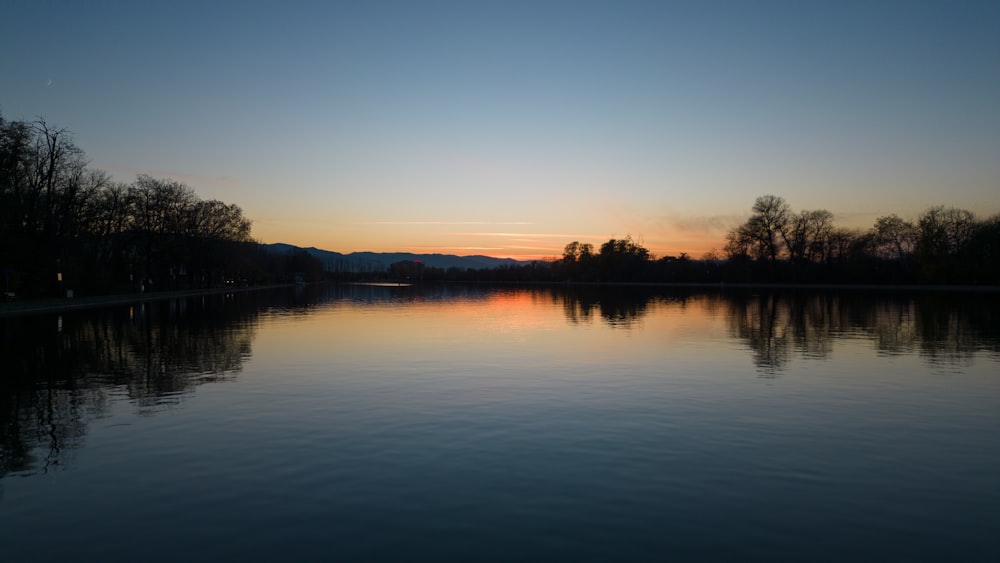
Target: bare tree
{"x":218,"y":220}
{"x":807,"y":235}
{"x":760,"y":237}
{"x":893,"y":238}
{"x":943,"y":235}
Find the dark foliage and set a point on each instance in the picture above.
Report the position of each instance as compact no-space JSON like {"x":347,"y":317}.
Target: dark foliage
{"x":778,"y":245}
{"x":65,"y":227}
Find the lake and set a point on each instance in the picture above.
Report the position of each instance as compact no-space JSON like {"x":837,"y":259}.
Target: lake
{"x":468,"y":423}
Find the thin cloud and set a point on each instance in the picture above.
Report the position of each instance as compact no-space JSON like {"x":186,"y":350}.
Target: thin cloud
{"x":705,"y":225}
{"x":533,"y":235}
{"x":439,"y":247}
{"x":443,"y":223}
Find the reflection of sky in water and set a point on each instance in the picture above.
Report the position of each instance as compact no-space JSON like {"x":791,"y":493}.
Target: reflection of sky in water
{"x":394,"y":422}
{"x":489,"y":326}
{"x":519,"y":329}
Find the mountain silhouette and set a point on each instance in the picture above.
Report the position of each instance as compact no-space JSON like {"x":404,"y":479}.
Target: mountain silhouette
{"x":380,"y":261}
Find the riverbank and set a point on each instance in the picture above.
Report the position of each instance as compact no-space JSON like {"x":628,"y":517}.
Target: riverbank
{"x":913,"y":288}
{"x":36,"y":306}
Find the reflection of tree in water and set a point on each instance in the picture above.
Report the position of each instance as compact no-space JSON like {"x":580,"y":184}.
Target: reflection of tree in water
{"x":46,"y":420}
{"x":941,"y":327}
{"x":952,"y":329}
{"x":60,"y":371}
{"x":618,"y":307}
{"x":891,"y":323}
{"x":311,"y":297}
{"x":764,"y":322}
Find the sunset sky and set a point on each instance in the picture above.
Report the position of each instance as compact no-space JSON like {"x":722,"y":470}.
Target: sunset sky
{"x":512,"y":128}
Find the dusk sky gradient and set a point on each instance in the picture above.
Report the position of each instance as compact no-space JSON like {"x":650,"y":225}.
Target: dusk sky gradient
{"x":512,"y":128}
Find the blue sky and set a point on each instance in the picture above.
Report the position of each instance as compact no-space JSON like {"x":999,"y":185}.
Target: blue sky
{"x":512,"y":128}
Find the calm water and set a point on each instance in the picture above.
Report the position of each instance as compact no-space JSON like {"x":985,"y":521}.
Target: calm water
{"x":470,"y":424}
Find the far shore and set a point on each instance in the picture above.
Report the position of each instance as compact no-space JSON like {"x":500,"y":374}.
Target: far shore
{"x":816,"y":286}
{"x":54,"y":305}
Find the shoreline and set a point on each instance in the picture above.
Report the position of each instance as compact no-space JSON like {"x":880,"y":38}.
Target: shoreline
{"x":805,"y":286}
{"x":57,"y":305}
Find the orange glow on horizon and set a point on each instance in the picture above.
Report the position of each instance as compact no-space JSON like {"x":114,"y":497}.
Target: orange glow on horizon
{"x":523,"y":240}
{"x":694,"y":246}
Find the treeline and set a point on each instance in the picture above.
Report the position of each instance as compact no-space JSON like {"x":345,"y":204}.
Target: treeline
{"x":944,"y":245}
{"x":64,"y":226}
{"x":778,"y":245}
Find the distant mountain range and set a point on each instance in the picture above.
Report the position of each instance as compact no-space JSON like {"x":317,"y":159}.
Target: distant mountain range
{"x":380,"y":261}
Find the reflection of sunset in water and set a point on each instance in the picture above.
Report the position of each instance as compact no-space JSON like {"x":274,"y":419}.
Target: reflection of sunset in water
{"x":594,"y":325}
{"x":267,"y":414}
{"x":543,"y":325}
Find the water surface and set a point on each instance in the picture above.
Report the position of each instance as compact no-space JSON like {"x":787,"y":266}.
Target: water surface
{"x":470,"y":423}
